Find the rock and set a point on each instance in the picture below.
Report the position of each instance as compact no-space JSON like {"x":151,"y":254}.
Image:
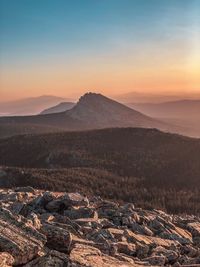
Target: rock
{"x":91,"y":222}
{"x":47,"y":217}
{"x":190,"y":251}
{"x":82,"y":256}
{"x":126,"y":248}
{"x":66,"y":201}
{"x":35,"y":220}
{"x":180,"y":238}
{"x":55,"y":206}
{"x":183,"y":233}
{"x":25,"y":189}
{"x":78,"y":213}
{"x":141,"y":229}
{"x":65,"y":220}
{"x":6,"y":259}
{"x":52,"y":258}
{"x":107,"y":209}
{"x":142,"y":250}
{"x":16,"y":207}
{"x":58,"y":238}
{"x":118,"y":234}
{"x":194,"y":228}
{"x":42,"y":200}
{"x":156,"y":260}
{"x":68,"y":229}
{"x":19,"y":238}
{"x":47,"y":197}
{"x":187,"y":261}
{"x":74,"y":199}
{"x":101,"y":235}
{"x":171,"y":256}
{"x":128,"y":207}
{"x":125,"y":258}
{"x":166,"y":243}
{"x":134,"y":238}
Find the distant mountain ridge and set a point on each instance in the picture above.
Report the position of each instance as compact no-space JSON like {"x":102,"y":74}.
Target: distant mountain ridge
{"x":29,"y":106}
{"x":61,"y":107}
{"x":177,"y":109}
{"x":145,"y":97}
{"x":183,"y":112}
{"x":93,"y":111}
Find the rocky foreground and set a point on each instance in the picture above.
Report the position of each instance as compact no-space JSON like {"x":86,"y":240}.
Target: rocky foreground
{"x":47,"y":229}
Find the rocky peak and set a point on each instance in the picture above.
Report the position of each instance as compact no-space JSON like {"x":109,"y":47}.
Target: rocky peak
{"x":91,"y":96}
{"x":94,"y":100}
{"x":100,"y":111}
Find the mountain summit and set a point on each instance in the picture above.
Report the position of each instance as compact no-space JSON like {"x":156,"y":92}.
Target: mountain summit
{"x":100,"y":111}
{"x":93,"y":111}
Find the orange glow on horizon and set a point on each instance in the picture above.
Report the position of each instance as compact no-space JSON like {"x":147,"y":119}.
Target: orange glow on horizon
{"x":72,"y":83}
{"x":171,"y":73}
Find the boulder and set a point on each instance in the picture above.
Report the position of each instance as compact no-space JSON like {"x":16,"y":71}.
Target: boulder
{"x":86,"y":256}
{"x":134,"y":238}
{"x":171,"y":255}
{"x":156,"y":260}
{"x":194,"y":228}
{"x":6,"y":259}
{"x":19,"y":238}
{"x":52,"y":258}
{"x":78,"y":213}
{"x":58,"y":238}
{"x":141,"y":229}
{"x":55,"y":206}
{"x":126,"y":248}
{"x":28,"y":189}
{"x":74,"y":199}
{"x":118,"y":234}
{"x":66,"y":201}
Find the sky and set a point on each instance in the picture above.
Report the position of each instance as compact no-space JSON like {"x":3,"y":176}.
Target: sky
{"x":68,"y":47}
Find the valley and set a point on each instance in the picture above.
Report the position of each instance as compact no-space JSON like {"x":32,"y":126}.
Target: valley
{"x":151,"y":168}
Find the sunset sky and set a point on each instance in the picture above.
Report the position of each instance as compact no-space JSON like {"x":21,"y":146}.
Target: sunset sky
{"x":67,"y":47}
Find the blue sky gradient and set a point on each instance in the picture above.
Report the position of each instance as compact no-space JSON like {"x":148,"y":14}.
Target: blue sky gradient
{"x":65,"y":32}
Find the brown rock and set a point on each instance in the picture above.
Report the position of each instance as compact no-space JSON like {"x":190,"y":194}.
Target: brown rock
{"x":6,"y":260}
{"x":86,"y":256}
{"x":16,"y":207}
{"x":52,"y":259}
{"x":19,"y":238}
{"x":55,"y":205}
{"x":171,"y":256}
{"x":150,"y":240}
{"x":116,"y":233}
{"x":194,"y":228}
{"x":74,"y":199}
{"x":78,"y":213}
{"x":35,"y":220}
{"x":156,"y":260}
{"x":142,"y":250}
{"x":58,"y":238}
{"x":132,"y":237}
{"x":126,"y":248}
{"x":28,"y":189}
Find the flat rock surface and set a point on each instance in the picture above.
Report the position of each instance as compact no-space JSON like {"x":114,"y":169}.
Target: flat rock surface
{"x":83,"y":255}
